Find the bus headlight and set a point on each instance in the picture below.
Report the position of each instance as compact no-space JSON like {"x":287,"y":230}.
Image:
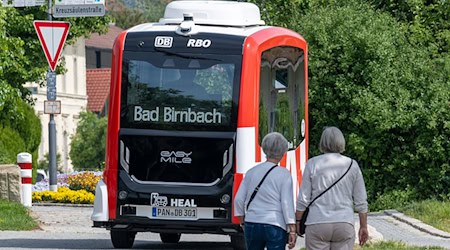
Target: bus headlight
{"x":123,"y":195}
{"x":225,"y":199}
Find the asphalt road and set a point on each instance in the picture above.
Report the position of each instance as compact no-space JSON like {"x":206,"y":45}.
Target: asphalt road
{"x":64,"y":227}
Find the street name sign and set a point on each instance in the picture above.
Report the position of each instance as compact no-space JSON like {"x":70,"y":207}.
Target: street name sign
{"x":52,"y":36}
{"x":78,"y":8}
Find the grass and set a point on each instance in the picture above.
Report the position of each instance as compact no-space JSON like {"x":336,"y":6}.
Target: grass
{"x":15,"y":217}
{"x":392,"y":245}
{"x":431,"y":212}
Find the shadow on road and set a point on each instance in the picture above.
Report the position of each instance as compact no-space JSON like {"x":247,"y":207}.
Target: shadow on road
{"x":106,"y":244}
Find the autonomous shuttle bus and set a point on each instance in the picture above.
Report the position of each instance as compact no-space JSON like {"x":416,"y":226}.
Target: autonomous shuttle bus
{"x":191,"y":98}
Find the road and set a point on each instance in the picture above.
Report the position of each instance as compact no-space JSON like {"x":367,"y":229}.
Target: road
{"x":65,"y":227}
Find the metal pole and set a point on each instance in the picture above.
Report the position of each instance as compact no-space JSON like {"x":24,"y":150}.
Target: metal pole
{"x":53,"y":178}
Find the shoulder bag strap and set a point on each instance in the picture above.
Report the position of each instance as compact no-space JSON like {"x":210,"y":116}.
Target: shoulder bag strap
{"x":332,"y":184}
{"x":257,"y":187}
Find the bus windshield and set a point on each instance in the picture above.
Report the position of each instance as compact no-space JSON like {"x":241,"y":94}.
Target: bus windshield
{"x":167,"y":91}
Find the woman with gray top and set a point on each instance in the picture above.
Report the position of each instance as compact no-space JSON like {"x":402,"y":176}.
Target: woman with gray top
{"x":270,"y":213}
{"x":330,"y":222}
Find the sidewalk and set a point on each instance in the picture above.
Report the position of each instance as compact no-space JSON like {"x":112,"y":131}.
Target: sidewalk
{"x":417,"y":224}
{"x":395,"y":226}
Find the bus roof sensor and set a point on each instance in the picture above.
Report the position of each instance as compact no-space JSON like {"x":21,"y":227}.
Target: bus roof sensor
{"x":221,"y":13}
{"x":187,"y":27}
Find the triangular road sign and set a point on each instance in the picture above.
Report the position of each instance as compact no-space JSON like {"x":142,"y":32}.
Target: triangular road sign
{"x":52,"y":36}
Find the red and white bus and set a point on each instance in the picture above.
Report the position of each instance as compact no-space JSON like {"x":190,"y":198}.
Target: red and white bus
{"x":191,"y":98}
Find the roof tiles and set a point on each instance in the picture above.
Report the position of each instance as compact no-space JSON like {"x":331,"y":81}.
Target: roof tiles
{"x":97,"y":81}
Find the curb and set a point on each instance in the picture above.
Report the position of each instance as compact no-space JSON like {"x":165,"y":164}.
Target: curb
{"x":417,"y":224}
{"x":49,"y":204}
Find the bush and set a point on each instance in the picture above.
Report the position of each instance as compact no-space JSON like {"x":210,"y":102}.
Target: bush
{"x":392,"y":200}
{"x":88,"y":144}
{"x":387,"y":95}
{"x":10,"y":145}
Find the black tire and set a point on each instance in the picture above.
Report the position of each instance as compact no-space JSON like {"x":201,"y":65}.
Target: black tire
{"x":238,"y":242}
{"x":122,"y":239}
{"x":170,"y":237}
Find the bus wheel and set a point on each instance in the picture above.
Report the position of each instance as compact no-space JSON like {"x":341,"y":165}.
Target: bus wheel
{"x":238,"y":242}
{"x":170,"y":237}
{"x":122,"y":239}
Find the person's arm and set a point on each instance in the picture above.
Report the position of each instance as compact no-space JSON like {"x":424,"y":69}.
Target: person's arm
{"x":304,"y":194}
{"x":361,"y":206}
{"x":292,"y":236}
{"x":239,"y":201}
{"x":363,"y":231}
{"x":298,"y":215}
{"x":287,"y":206}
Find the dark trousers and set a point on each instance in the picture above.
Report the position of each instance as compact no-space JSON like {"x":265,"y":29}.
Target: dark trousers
{"x":258,"y":236}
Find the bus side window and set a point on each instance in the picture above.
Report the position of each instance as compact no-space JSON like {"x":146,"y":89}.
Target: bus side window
{"x":281,"y":97}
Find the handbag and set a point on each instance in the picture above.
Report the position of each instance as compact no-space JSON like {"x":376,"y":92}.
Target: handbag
{"x":301,"y":226}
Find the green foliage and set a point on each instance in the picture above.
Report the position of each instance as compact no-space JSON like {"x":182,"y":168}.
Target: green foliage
{"x":427,"y":20}
{"x":392,"y":200}
{"x":141,"y":11}
{"x":387,"y":95}
{"x":154,"y":9}
{"x":22,"y":124}
{"x":281,"y":12}
{"x":45,"y":163}
{"x":9,"y":100}
{"x":11,"y":144}
{"x":88,"y":144}
{"x":128,"y":18}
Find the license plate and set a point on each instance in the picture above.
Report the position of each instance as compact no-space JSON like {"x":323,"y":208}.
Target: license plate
{"x":174,"y":212}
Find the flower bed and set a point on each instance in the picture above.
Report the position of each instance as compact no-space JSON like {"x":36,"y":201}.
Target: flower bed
{"x":75,"y":188}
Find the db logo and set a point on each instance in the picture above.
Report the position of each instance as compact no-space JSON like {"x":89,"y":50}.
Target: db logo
{"x":163,"y":41}
{"x":199,"y":43}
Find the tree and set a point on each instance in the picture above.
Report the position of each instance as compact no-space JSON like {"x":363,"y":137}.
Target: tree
{"x":127,"y":14}
{"x":387,"y":95}
{"x":21,"y":128}
{"x":88,"y":144}
{"x":427,"y":21}
{"x":125,"y":17}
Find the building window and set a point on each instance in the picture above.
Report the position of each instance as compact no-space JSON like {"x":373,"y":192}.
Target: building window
{"x":98,"y":59}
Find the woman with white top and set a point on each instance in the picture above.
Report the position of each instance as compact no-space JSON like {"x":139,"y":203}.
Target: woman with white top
{"x":330,"y":222}
{"x":271,"y":213}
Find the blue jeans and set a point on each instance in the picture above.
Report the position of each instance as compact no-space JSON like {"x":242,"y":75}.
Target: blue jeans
{"x":258,"y":236}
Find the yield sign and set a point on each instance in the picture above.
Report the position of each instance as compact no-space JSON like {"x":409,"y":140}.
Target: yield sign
{"x":52,"y":36}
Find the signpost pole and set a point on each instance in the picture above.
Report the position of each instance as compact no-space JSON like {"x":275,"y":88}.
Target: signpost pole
{"x":51,"y":80}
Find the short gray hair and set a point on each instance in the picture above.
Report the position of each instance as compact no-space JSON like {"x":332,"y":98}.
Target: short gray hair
{"x":274,"y":145}
{"x":332,"y":141}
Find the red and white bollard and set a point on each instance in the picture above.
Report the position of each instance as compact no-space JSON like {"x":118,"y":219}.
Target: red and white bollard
{"x":24,"y":161}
